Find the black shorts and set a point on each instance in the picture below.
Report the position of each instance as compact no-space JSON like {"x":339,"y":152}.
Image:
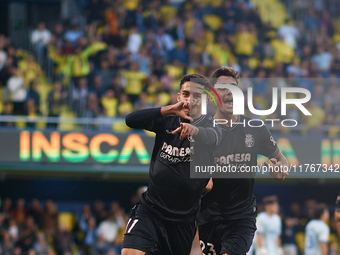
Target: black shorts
{"x":233,"y":237}
{"x":148,"y":233}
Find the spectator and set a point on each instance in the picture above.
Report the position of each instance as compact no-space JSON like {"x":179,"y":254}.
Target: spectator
{"x":33,"y":93}
{"x":110,"y":227}
{"x":79,"y":95}
{"x":180,"y":53}
{"x":125,"y":106}
{"x":20,"y":212}
{"x":55,"y":99}
{"x":317,"y":117}
{"x":41,"y":246}
{"x":165,"y":41}
{"x":134,"y":40}
{"x":244,"y":43}
{"x":36,"y":212}
{"x":18,"y":91}
{"x":311,"y":21}
{"x":41,"y":37}
{"x":290,"y":33}
{"x":62,"y":240}
{"x":7,"y":245}
{"x":101,"y":247}
{"x":73,"y":34}
{"x":99,"y":212}
{"x":323,"y":60}
{"x":142,"y":103}
{"x":13,"y":230}
{"x":32,"y":112}
{"x":94,"y":108}
{"x":49,"y":219}
{"x":90,"y":236}
{"x":28,"y":234}
{"x":110,"y":103}
{"x":105,"y":73}
{"x":7,"y":112}
{"x":5,"y":75}
{"x":135,"y":80}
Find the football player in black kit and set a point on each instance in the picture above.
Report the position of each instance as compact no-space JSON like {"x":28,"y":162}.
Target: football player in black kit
{"x":228,"y":211}
{"x":164,"y":219}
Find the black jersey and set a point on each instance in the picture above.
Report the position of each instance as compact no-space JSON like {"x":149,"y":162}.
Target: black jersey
{"x":171,"y":193}
{"x":232,"y":198}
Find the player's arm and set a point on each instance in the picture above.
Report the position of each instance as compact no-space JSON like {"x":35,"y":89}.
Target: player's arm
{"x":281,"y":162}
{"x":323,"y":237}
{"x":147,"y":118}
{"x":260,"y":225}
{"x":279,"y":245}
{"x":323,"y":248}
{"x":259,"y":238}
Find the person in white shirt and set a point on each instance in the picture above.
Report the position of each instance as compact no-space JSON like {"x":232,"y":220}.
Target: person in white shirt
{"x":134,"y":40}
{"x":268,"y":234}
{"x":290,"y":33}
{"x":41,"y":35}
{"x":109,"y":228}
{"x":317,"y":232}
{"x":40,"y":38}
{"x":17,"y":90}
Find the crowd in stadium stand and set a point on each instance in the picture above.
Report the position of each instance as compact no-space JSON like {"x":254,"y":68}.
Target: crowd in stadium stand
{"x":98,"y":229}
{"x":132,"y":54}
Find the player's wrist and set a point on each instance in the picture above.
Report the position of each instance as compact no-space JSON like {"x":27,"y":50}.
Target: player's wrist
{"x":167,"y":110}
{"x":262,"y":251}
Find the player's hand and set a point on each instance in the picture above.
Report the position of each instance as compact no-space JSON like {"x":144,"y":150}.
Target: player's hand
{"x":337,"y":216}
{"x":209,"y":186}
{"x":280,"y":171}
{"x":182,"y":110}
{"x":185,"y":130}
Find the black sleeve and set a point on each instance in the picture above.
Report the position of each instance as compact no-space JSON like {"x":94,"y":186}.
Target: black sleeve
{"x":149,"y":119}
{"x":268,"y":146}
{"x":208,"y":136}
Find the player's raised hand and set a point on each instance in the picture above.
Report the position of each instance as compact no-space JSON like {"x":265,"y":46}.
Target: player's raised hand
{"x":182,"y":110}
{"x":279,"y":171}
{"x":185,"y":130}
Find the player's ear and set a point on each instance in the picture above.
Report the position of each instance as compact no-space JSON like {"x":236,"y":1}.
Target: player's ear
{"x":178,"y":97}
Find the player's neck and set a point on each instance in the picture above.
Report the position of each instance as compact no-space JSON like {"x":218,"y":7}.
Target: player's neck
{"x":270,"y":213}
{"x":229,"y":117}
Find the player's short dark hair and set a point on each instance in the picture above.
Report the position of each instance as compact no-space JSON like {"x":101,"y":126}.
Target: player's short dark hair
{"x":319,"y":210}
{"x":225,"y":71}
{"x":269,"y":200}
{"x":197,"y":78}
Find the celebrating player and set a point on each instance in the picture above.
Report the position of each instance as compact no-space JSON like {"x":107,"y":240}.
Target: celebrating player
{"x":164,"y":219}
{"x":268,"y":240}
{"x":317,"y":232}
{"x":227,"y":217}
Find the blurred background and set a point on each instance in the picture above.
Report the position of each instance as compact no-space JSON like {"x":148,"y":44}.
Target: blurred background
{"x":71,"y":70}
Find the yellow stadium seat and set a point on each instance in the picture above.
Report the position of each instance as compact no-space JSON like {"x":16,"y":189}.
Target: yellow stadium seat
{"x":21,"y":123}
{"x":120,"y":127}
{"x":149,"y":133}
{"x":333,"y":131}
{"x":67,"y":219}
{"x":300,"y":241}
{"x":213,"y":21}
{"x":68,"y":125}
{"x":168,"y":12}
{"x":165,"y":98}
